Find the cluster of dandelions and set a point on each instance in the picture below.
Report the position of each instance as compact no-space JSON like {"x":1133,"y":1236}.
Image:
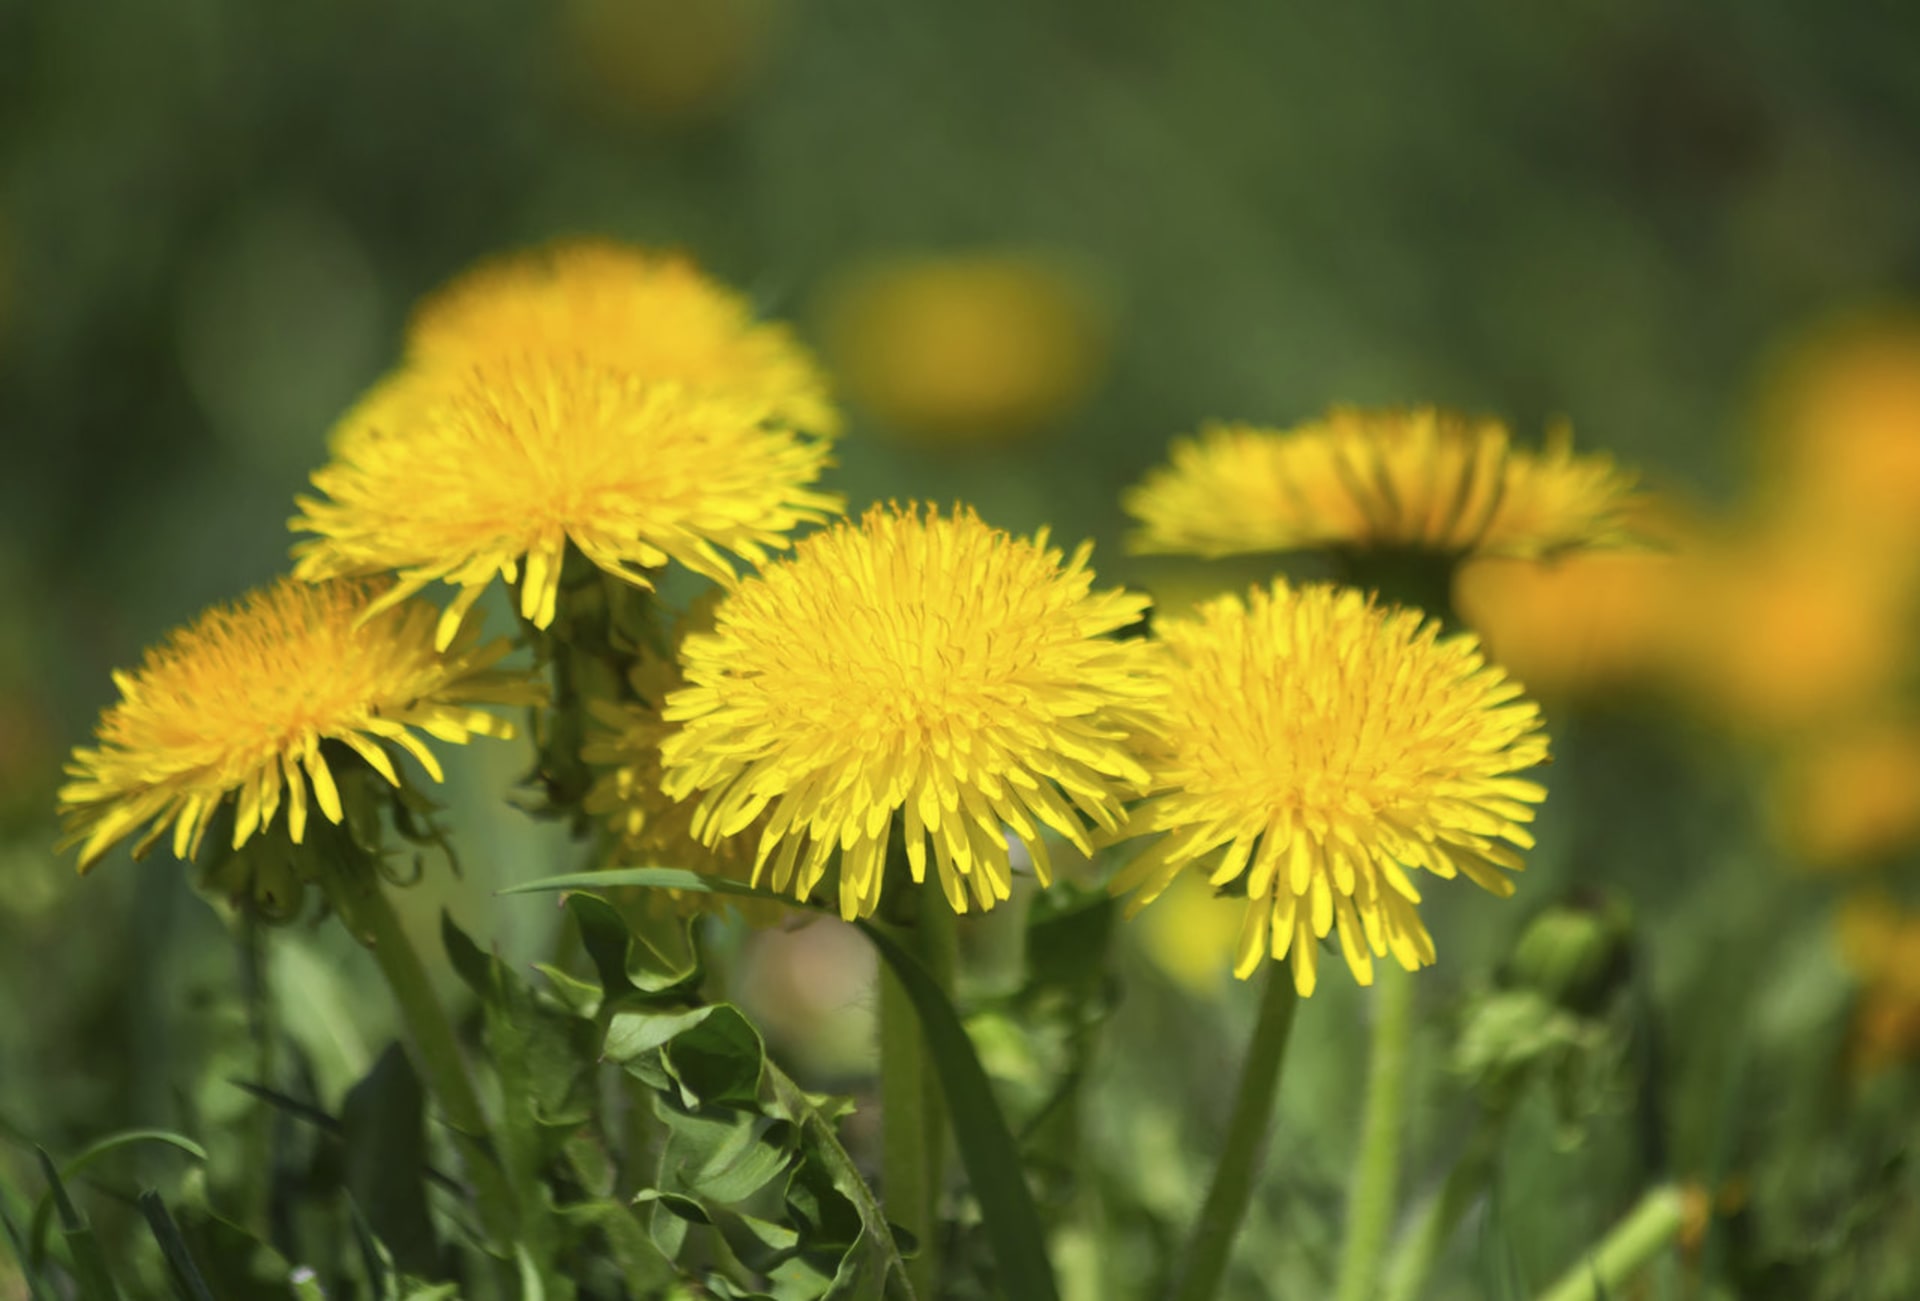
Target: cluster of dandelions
{"x":910,"y":693}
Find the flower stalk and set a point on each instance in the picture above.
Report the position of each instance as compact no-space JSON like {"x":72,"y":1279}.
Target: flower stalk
{"x":1245,"y":1146}
{"x":1630,"y":1246}
{"x":357,"y":895}
{"x":914,"y":1114}
{"x":1376,"y":1172}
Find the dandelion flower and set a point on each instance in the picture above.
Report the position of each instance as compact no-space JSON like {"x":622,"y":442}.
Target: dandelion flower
{"x":1312,"y":748}
{"x":651,"y":314}
{"x":1418,"y":478}
{"x":461,"y":475}
{"x":1578,"y":624}
{"x":969,"y":348}
{"x":916,"y":668}
{"x":238,"y":703}
{"x":1852,"y":797}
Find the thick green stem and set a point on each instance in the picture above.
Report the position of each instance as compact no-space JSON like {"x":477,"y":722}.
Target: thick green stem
{"x":914,"y":1115}
{"x":1246,"y":1141}
{"x":362,"y":904}
{"x":1376,"y":1172}
{"x":1630,"y":1246}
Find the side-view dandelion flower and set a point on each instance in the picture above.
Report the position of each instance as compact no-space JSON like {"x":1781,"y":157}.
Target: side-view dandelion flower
{"x":1418,"y":478}
{"x":1313,"y":747}
{"x":458,"y":475}
{"x":918,"y":668}
{"x":238,"y":703}
{"x":651,"y":314}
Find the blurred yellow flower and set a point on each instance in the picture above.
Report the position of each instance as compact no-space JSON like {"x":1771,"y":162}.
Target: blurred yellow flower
{"x":1189,"y":933}
{"x":1772,"y":633}
{"x":1578,"y":623}
{"x":240,"y":701}
{"x":461,"y":473}
{"x":966,"y":348}
{"x":1314,"y":746}
{"x":1850,"y":797}
{"x":668,"y":59}
{"x":919,"y":667}
{"x":1879,"y":942}
{"x":1380,"y":478}
{"x":1844,"y":456}
{"x":651,"y":314}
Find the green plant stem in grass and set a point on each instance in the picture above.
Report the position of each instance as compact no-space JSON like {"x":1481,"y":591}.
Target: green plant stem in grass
{"x":1246,"y":1141}
{"x":1630,"y":1246}
{"x":1376,"y":1172}
{"x":914,"y":1138}
{"x":361,"y":900}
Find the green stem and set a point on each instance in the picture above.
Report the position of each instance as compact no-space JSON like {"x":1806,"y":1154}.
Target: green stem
{"x":1376,"y":1173}
{"x":914,"y":1115}
{"x":1648,"y":1229}
{"x":1246,"y":1141}
{"x":365,"y":909}
{"x":1434,"y":1223}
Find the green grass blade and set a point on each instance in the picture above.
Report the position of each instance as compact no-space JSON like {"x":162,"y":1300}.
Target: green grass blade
{"x":187,"y":1280}
{"x":17,"y":1244}
{"x":90,"y":1272}
{"x":658,"y":878}
{"x":986,"y":1144}
{"x":72,"y":1168}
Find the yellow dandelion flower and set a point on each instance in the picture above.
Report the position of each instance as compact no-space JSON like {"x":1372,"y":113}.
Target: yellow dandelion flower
{"x":238,"y":703}
{"x":966,"y":348}
{"x":652,"y":314}
{"x":1580,"y":623}
{"x":461,"y":475}
{"x":927,"y":669}
{"x":1415,"y":478}
{"x":1313,"y":747}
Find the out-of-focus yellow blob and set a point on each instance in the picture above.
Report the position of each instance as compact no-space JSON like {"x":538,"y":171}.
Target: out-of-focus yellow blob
{"x":1785,"y":631}
{"x":1189,"y":934}
{"x":965,"y":348}
{"x":1847,"y":799}
{"x":1585,"y":623}
{"x":1879,"y":941}
{"x":671,"y":60}
{"x":1844,"y":456}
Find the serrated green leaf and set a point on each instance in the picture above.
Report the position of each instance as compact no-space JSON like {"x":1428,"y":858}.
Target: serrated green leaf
{"x":718,"y":1060}
{"x":722,"y":1154}
{"x":627,"y":962}
{"x":644,"y":1269}
{"x":987,"y":1149}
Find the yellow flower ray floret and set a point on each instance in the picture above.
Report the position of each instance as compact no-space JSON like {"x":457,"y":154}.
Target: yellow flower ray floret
{"x":239,"y":701}
{"x":1419,"y":478}
{"x":1315,"y":747}
{"x":650,"y":313}
{"x":914,"y":667}
{"x":459,"y":476}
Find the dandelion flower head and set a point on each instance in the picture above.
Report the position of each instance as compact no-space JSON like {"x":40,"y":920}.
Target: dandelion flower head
{"x":917,"y":668}
{"x":239,"y":702}
{"x":1313,"y":748}
{"x":458,"y":475}
{"x":1388,"y":478}
{"x":652,"y":314}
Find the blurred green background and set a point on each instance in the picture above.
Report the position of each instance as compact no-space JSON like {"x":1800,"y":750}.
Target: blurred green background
{"x":215,"y":215}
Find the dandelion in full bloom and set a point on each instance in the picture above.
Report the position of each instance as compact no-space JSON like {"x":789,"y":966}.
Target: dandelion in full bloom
{"x":459,"y":475}
{"x":1312,"y":749}
{"x":1580,"y":624}
{"x":240,"y":702}
{"x":1418,"y":478}
{"x":1850,"y":798}
{"x":650,"y":314}
{"x":918,"y":669}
